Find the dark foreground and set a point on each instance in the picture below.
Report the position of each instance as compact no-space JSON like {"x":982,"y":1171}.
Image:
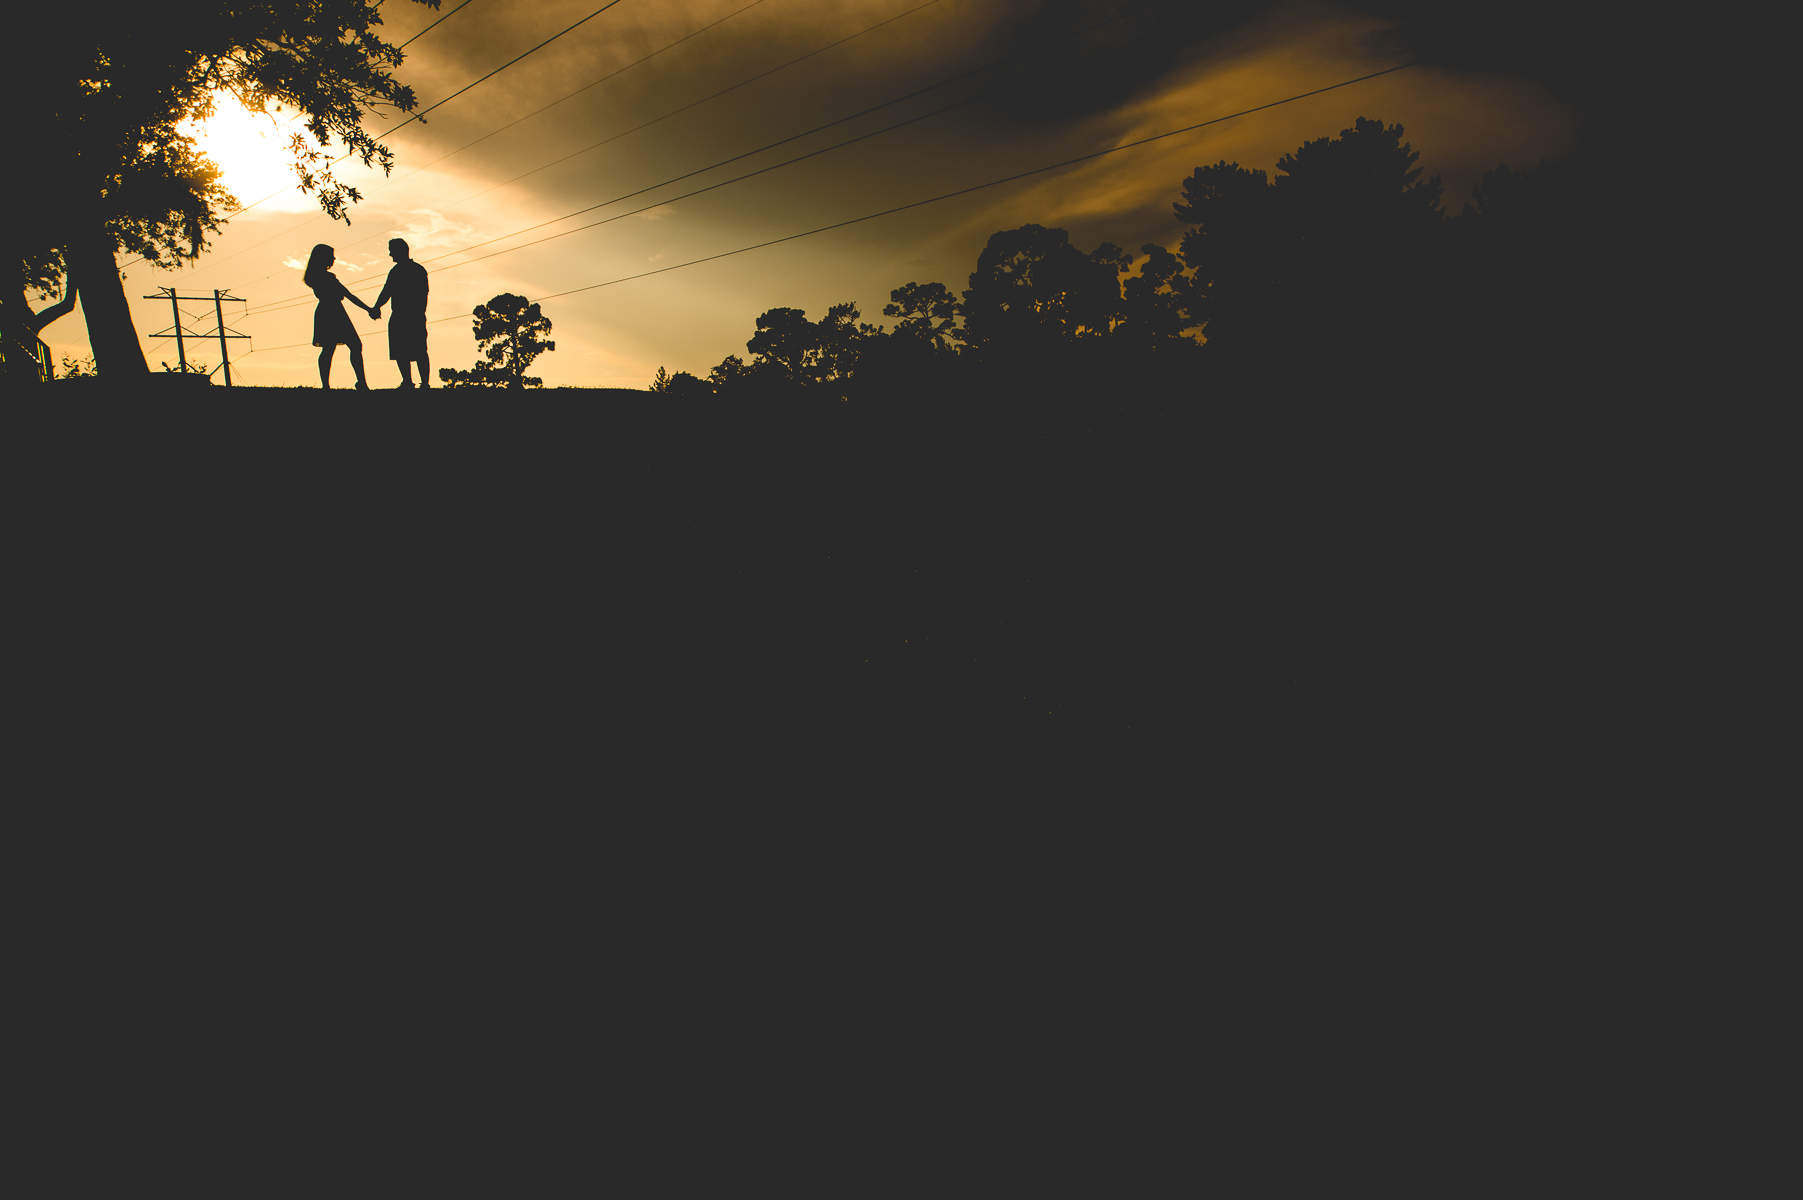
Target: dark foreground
{"x":1286,"y":580}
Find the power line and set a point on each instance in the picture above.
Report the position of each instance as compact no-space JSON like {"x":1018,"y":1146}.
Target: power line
{"x":603,"y":79}
{"x":715,"y":96}
{"x":283,"y":305}
{"x":422,"y":112}
{"x":434,"y":25}
{"x":402,"y":46}
{"x":302,"y":300}
{"x":593,"y":83}
{"x":687,"y":195}
{"x":723,"y":162}
{"x":976,"y":188}
{"x":769,"y":146}
{"x":944,"y":196}
{"x":623,"y":133}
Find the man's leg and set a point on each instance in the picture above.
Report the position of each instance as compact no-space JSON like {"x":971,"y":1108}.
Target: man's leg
{"x":406,"y":372}
{"x":425,"y":371}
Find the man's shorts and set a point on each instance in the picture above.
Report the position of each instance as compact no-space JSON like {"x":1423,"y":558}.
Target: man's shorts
{"x":406,"y":337}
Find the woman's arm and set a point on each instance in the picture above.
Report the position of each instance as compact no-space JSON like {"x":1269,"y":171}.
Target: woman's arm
{"x":351,"y":296}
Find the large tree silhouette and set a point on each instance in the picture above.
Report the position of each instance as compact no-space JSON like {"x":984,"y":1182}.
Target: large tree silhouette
{"x":1157,"y":307}
{"x":785,"y":347}
{"x":1033,"y":292}
{"x":790,"y":352}
{"x":510,"y":333}
{"x":101,"y":94}
{"x":928,"y":315}
{"x":1329,"y":258}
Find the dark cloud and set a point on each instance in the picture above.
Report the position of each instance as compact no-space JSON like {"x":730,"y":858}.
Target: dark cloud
{"x":1088,"y":56}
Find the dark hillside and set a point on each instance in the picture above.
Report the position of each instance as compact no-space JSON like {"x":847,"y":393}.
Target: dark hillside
{"x":1129,"y":572}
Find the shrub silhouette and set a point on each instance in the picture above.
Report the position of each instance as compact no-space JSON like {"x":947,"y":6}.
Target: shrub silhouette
{"x":680,"y":384}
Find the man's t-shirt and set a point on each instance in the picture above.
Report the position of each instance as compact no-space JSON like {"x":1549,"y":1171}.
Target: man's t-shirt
{"x":407,"y":289}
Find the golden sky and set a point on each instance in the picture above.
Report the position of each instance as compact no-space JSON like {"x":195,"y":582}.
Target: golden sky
{"x":1051,"y":105}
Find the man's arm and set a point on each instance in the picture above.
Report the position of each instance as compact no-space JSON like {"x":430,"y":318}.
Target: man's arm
{"x":387,"y":287}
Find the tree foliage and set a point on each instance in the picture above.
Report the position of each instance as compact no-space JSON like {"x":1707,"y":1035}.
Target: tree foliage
{"x":1034,"y":296}
{"x":1032,"y":290}
{"x":790,"y":352}
{"x":928,"y":313}
{"x":1156,"y":306}
{"x":1331,"y":253}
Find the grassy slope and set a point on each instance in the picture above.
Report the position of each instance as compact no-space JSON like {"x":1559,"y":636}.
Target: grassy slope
{"x":730,"y":551}
{"x":932,"y":570}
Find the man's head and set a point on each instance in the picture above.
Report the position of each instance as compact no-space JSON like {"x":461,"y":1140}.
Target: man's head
{"x":398,"y":250}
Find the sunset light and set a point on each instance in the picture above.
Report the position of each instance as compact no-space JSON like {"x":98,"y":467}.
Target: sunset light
{"x":251,"y":149}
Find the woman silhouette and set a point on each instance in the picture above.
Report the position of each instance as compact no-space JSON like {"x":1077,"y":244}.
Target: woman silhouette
{"x":331,"y":324}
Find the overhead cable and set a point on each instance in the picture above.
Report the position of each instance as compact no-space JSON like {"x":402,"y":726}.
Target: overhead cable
{"x":278,"y":305}
{"x":935,"y":199}
{"x":422,"y":112}
{"x":420,"y":115}
{"x":975,"y":188}
{"x":386,"y":182}
{"x":434,"y":25}
{"x":622,"y":133}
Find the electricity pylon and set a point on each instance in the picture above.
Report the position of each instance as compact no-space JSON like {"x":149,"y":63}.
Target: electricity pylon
{"x":176,"y":330}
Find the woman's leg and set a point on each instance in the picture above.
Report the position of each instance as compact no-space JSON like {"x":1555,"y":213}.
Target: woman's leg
{"x":357,"y":363}
{"x":325,"y":366}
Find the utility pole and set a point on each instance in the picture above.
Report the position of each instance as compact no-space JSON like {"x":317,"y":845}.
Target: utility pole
{"x":225,"y":361}
{"x":179,"y":332}
{"x":181,"y":355}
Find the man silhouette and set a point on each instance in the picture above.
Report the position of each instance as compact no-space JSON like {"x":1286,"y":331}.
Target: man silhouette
{"x":407,"y":326}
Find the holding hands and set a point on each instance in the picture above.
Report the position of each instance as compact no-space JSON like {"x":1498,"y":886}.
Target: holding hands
{"x":375,"y":313}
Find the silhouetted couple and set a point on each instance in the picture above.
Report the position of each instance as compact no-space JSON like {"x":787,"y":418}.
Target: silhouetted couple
{"x":406,"y":327}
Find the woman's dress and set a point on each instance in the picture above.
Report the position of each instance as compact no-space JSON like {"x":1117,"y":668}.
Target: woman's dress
{"x":331,"y":324}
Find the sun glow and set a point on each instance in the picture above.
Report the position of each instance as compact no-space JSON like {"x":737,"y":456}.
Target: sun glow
{"x":251,"y":149}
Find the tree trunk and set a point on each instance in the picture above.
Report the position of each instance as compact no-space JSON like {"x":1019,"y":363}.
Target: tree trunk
{"x":19,"y":330}
{"x":111,"y":334}
{"x":55,"y":312}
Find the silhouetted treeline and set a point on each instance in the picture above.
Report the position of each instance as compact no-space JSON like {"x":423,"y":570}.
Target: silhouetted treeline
{"x":1343,"y":269}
